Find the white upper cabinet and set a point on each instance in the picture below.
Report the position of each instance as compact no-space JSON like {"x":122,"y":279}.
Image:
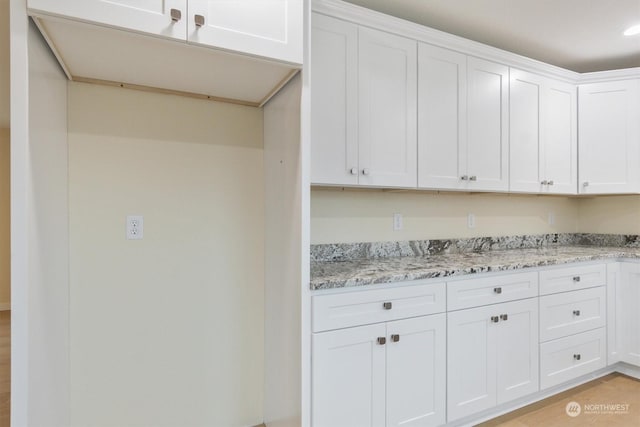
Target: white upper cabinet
{"x":560,"y":140}
{"x":269,"y":28}
{"x":240,"y":51}
{"x":265,"y":28}
{"x":542,"y":140}
{"x":334,"y":113}
{"x":609,"y":137}
{"x":387,"y":149}
{"x":462,"y":122}
{"x":487,"y":124}
{"x":167,"y":18}
{"x":442,"y":109}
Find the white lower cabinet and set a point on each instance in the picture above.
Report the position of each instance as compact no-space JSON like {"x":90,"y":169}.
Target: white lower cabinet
{"x":386,"y":374}
{"x":628,"y":313}
{"x":492,"y":356}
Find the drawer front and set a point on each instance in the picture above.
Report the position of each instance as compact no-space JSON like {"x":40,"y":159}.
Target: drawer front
{"x":491,"y":290}
{"x":567,"y":358}
{"x":572,"y":278}
{"x":364,"y":307}
{"x":570,"y":313}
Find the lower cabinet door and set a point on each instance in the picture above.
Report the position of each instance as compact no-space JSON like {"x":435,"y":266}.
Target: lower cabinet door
{"x":348,"y":377}
{"x":471,"y":368}
{"x":517,"y":350}
{"x":627,"y":306}
{"x":416,"y":371}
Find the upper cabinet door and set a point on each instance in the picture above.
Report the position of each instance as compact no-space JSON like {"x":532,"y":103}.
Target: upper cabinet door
{"x":560,"y":142}
{"x":487,"y":153}
{"x":442,"y":118}
{"x":525,"y":106}
{"x":334,"y":93}
{"x":609,"y":137}
{"x":166,"y":18}
{"x":387,"y":109}
{"x":266,"y":28}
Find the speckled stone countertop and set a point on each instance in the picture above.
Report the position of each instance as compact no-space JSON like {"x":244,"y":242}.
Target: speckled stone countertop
{"x":369,"y":271}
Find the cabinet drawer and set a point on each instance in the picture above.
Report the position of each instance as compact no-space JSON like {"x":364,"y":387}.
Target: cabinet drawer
{"x":572,"y":312}
{"x":491,"y":290}
{"x":567,"y":358}
{"x":364,"y":307}
{"x":572,"y":278}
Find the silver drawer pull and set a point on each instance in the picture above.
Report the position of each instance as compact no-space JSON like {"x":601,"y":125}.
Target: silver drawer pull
{"x":387,"y":305}
{"x":464,"y":177}
{"x":576,"y":356}
{"x":353,"y":171}
{"x":576,"y":278}
{"x":395,"y":337}
{"x":497,"y":290}
{"x":504,"y":317}
{"x":199,"y":20}
{"x":176,"y":15}
{"x":576,"y":312}
{"x":473,"y":178}
{"x":382,"y":340}
{"x":544,"y":182}
{"x":495,"y":319}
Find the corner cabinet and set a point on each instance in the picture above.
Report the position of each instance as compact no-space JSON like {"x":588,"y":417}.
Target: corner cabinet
{"x":363,"y":106}
{"x":462,"y":121}
{"x":543,"y":140}
{"x":609,"y":132}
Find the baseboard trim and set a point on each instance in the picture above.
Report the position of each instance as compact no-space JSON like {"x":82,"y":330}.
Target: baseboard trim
{"x":5,"y":306}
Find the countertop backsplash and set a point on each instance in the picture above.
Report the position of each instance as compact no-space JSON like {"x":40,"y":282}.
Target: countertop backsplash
{"x":420,"y":248}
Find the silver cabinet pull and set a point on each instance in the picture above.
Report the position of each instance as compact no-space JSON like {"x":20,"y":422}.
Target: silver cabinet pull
{"x":504,"y":317}
{"x":387,"y":305}
{"x":544,"y":182}
{"x":395,"y":337}
{"x":353,"y":171}
{"x":199,"y":20}
{"x":473,"y":178}
{"x":576,"y":312}
{"x":576,"y":279}
{"x":495,"y":319}
{"x":585,"y":184}
{"x":497,"y":290}
{"x":464,"y":177}
{"x":382,"y":340}
{"x":365,"y":171}
{"x":576,"y":357}
{"x":176,"y":15}
{"x":550,"y":182}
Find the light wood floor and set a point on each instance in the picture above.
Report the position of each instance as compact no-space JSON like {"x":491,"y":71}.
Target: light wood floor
{"x":551,"y":412}
{"x":5,"y":367}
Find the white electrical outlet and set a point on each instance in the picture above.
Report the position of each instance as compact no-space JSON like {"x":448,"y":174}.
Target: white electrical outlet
{"x":135,"y":227}
{"x":397,"y":222}
{"x":552,"y":218}
{"x":471,"y":221}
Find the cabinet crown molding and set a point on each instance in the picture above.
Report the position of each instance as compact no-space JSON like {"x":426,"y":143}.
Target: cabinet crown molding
{"x":366,"y":17}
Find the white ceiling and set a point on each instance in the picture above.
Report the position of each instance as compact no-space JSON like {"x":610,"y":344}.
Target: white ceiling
{"x":4,"y":63}
{"x":580,"y":35}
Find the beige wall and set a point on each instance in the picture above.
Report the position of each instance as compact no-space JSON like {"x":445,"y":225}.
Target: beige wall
{"x":609,"y":214}
{"x":5,"y":223}
{"x":168,"y":330}
{"x":366,"y":215}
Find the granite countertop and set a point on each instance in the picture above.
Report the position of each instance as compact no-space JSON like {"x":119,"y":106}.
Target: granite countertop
{"x":369,"y":271}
